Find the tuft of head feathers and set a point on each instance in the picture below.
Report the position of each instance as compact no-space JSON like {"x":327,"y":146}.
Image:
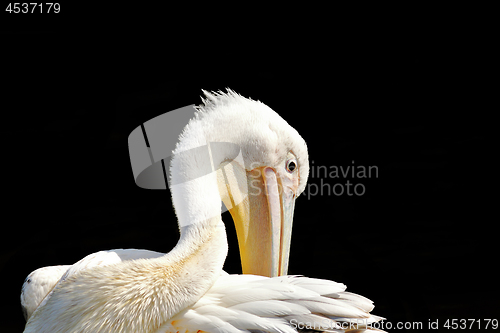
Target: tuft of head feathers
{"x":262,"y":135}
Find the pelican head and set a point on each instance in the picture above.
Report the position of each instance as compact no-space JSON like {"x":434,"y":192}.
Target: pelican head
{"x":261,"y":166}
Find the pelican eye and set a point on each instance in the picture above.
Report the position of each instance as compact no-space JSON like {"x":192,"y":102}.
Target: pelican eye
{"x":291,"y":165}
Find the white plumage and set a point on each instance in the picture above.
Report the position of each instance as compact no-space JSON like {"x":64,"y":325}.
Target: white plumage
{"x":238,"y":303}
{"x":269,"y":304}
{"x":186,"y":289}
{"x":37,"y":285}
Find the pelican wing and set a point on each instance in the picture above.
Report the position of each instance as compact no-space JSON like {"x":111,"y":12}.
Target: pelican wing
{"x":284,"y":304}
{"x":39,"y":284}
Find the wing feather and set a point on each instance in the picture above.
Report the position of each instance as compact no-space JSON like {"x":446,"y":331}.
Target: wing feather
{"x":271,"y":308}
{"x":285,"y":304}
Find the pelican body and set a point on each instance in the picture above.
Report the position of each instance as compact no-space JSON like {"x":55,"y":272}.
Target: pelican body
{"x":258,"y":166}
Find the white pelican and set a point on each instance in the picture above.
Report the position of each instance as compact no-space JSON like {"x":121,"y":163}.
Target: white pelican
{"x":186,"y":290}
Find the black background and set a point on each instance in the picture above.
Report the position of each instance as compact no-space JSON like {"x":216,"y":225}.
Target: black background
{"x":401,"y":90}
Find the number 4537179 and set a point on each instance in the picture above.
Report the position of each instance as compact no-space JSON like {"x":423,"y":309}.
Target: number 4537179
{"x":481,"y":323}
{"x":33,"y":7}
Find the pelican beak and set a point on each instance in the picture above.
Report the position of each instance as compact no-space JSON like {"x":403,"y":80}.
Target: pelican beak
{"x":263,"y":215}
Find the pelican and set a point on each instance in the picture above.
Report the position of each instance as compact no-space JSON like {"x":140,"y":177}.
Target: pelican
{"x":260,"y":166}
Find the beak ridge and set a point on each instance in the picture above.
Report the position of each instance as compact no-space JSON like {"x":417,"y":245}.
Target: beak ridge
{"x":281,"y":201}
